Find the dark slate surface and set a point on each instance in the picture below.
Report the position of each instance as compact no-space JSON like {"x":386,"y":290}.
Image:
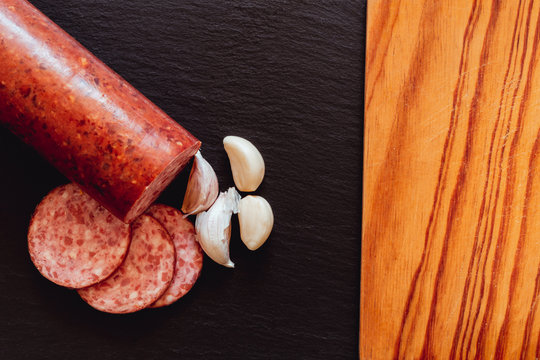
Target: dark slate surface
{"x":287,"y":75}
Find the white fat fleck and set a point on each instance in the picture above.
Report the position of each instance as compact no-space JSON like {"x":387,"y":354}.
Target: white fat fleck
{"x":133,"y":295}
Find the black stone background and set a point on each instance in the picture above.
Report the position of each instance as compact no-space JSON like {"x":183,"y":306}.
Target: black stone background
{"x":288,"y":75}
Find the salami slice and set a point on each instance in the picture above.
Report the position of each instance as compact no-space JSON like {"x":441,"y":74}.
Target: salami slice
{"x":189,"y":255}
{"x":73,"y":241}
{"x":144,"y":275}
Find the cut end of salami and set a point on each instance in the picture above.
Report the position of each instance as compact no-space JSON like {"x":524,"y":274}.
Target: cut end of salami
{"x":189,"y":255}
{"x":154,"y":189}
{"x":73,"y":240}
{"x":144,"y":275}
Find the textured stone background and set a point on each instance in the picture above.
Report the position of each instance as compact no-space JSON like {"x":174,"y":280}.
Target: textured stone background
{"x":287,"y":75}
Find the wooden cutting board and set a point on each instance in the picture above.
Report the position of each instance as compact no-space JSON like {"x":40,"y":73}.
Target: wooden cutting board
{"x":451,"y":213}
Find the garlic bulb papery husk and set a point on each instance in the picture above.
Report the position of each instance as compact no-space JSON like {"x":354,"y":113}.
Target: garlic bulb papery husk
{"x":202,"y":188}
{"x":214,"y":227}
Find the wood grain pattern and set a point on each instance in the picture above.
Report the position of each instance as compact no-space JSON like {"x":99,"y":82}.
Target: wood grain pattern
{"x":451,"y":222}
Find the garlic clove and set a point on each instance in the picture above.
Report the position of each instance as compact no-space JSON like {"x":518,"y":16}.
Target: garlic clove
{"x":202,"y":189}
{"x":256,"y":220}
{"x":247,"y":163}
{"x":214,"y":227}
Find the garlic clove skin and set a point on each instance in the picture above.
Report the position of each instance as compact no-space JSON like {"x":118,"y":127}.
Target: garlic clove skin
{"x":256,"y":220}
{"x":247,"y":163}
{"x":213,"y":227}
{"x":202,"y":188}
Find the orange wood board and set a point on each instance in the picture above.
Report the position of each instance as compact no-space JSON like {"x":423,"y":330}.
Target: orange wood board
{"x":451,"y":208}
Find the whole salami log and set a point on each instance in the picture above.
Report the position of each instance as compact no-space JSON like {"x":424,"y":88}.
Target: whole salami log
{"x":84,"y":118}
{"x":189,"y":255}
{"x":143,"y":276}
{"x":74,"y":241}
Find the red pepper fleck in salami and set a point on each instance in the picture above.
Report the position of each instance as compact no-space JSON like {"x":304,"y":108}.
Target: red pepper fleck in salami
{"x":84,"y":118}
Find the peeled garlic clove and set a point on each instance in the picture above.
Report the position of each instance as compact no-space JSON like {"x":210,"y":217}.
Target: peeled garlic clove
{"x":214,"y":227}
{"x":256,"y":220}
{"x":202,"y":189}
{"x":247,"y":163}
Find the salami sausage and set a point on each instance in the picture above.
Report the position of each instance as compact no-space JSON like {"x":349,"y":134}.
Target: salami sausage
{"x":84,"y":118}
{"x":73,"y":240}
{"x":189,"y":255}
{"x":144,"y":275}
